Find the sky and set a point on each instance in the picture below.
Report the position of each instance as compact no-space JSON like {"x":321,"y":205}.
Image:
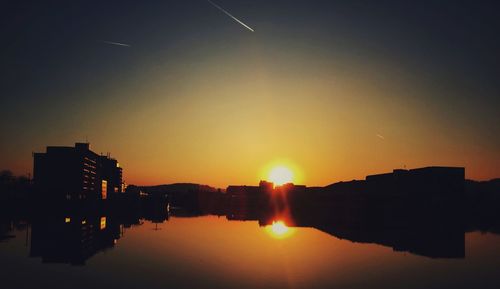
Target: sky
{"x":179,"y":91}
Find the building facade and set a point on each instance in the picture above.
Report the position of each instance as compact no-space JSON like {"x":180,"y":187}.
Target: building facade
{"x":422,"y":182}
{"x":76,"y":173}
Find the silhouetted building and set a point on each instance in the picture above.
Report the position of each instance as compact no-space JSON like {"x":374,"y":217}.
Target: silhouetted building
{"x":266,"y":187}
{"x":422,"y":182}
{"x":76,"y":173}
{"x":111,"y":172}
{"x":262,"y":191}
{"x":236,"y":191}
{"x":290,"y":188}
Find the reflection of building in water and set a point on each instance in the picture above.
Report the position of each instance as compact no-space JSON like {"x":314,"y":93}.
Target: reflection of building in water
{"x":435,"y":240}
{"x":76,"y":173}
{"x":248,"y":200}
{"x":428,"y":241}
{"x":424,"y":240}
{"x":5,"y":230}
{"x":418,"y":211}
{"x":72,"y":239}
{"x":155,"y":210}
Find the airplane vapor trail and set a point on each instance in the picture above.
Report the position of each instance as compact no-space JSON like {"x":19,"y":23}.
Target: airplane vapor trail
{"x":117,"y":43}
{"x":229,"y":14}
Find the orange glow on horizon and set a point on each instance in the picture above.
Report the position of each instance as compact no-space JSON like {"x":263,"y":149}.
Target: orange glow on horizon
{"x":237,"y":113}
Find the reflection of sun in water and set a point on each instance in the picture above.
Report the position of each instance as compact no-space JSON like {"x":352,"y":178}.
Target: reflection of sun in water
{"x":279,"y":230}
{"x":280,"y":175}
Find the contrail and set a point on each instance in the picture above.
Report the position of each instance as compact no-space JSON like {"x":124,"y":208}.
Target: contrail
{"x":229,"y":14}
{"x":117,"y":43}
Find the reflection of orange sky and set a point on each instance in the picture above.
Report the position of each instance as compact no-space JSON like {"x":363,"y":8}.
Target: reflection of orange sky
{"x":237,"y":253}
{"x":244,"y":252}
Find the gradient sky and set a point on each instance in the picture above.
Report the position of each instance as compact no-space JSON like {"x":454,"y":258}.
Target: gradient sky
{"x":335,"y":89}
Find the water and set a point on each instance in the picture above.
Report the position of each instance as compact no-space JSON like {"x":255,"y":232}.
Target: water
{"x":214,"y":252}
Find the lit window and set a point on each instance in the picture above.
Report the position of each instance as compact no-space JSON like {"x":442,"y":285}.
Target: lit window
{"x":102,"y":224}
{"x":104,"y":189}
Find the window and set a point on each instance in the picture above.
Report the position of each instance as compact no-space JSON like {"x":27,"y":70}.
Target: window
{"x":102,"y":224}
{"x":104,"y":189}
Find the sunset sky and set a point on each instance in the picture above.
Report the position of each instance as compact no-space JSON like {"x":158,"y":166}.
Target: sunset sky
{"x":334,"y":90}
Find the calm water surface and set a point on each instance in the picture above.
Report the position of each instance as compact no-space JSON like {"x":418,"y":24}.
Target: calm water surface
{"x":212,"y":252}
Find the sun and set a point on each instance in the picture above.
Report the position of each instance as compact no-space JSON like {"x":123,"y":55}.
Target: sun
{"x":280,"y":175}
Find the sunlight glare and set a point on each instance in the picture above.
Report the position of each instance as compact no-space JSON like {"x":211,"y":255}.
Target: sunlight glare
{"x":280,"y":175}
{"x":279,"y":230}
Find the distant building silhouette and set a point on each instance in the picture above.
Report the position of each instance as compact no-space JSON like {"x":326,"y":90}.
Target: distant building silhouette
{"x":422,"y":182}
{"x":76,"y":173}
